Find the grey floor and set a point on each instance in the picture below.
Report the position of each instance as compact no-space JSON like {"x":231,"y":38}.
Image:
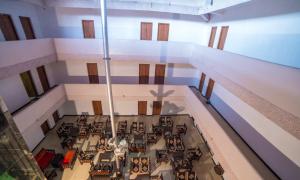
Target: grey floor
{"x":203,"y":167}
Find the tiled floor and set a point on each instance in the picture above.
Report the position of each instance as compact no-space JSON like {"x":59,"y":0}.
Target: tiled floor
{"x":203,"y":167}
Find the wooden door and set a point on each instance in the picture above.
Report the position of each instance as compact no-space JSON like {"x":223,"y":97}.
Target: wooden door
{"x":7,"y":27}
{"x":209,"y":89}
{"x":202,"y":80}
{"x":88,"y":29}
{"x":55,"y":116}
{"x":93,"y":73}
{"x":146,"y":31}
{"x":142,"y":107}
{"x":28,"y":84}
{"x":43,"y":78}
{"x":156,"y":107}
{"x":45,"y":127}
{"x":163,"y":32}
{"x":223,"y":36}
{"x":212,"y":37}
{"x":144,"y":73}
{"x":159,"y":73}
{"x":27,"y":27}
{"x":97,"y":106}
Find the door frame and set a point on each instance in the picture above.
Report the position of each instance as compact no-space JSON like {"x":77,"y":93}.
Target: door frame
{"x":156,"y":106}
{"x":159,"y":32}
{"x":209,"y":89}
{"x":142,"y":105}
{"x":144,"y":79}
{"x":97,"y":103}
{"x":84,"y":28}
{"x":157,"y":78}
{"x":202,"y":82}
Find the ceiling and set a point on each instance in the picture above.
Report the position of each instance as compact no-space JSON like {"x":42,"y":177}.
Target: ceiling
{"x":189,"y":7}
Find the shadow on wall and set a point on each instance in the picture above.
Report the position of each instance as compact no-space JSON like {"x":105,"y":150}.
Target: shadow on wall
{"x":171,"y":108}
{"x":69,"y":108}
{"x":160,"y":89}
{"x":62,"y":75}
{"x":160,"y":95}
{"x":256,"y":141}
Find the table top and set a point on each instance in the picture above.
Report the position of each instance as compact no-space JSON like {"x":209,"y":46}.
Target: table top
{"x":69,"y":156}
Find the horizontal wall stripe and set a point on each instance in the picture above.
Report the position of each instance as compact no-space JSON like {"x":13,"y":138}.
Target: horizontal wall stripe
{"x":284,"y":166}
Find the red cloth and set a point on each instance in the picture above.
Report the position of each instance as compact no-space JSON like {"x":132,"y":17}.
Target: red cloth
{"x":69,"y":156}
{"x":44,"y":158}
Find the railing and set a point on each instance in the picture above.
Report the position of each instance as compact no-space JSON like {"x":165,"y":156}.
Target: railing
{"x":32,"y":101}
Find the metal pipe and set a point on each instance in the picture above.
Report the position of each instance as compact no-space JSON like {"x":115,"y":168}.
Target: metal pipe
{"x":106,"y":59}
{"x":104,"y":29}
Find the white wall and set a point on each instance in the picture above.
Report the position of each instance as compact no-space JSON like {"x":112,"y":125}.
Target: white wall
{"x":234,"y":162}
{"x":37,"y":52}
{"x":17,"y":8}
{"x":35,"y":49}
{"x":127,"y":50}
{"x":124,"y":72}
{"x":274,"y":39}
{"x":13,"y":92}
{"x":67,"y":23}
{"x":264,"y":136}
{"x":29,"y":119}
{"x":126,"y":98}
{"x":274,"y":83}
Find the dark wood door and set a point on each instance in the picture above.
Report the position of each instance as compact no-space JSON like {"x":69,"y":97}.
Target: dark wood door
{"x":212,"y":36}
{"x":28,"y":84}
{"x":7,"y":27}
{"x":97,"y":106}
{"x":88,"y":29}
{"x":159,"y":74}
{"x":156,"y":107}
{"x":146,"y":31}
{"x":93,"y":73}
{"x":142,"y":107}
{"x":55,"y":116}
{"x":163,"y":32}
{"x":201,"y":83}
{"x":223,"y":36}
{"x":43,"y":78}
{"x":45,"y":127}
{"x":209,"y":88}
{"x":144,"y":73}
{"x":27,"y":27}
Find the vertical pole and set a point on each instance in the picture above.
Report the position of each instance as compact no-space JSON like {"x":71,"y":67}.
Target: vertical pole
{"x":106,"y":59}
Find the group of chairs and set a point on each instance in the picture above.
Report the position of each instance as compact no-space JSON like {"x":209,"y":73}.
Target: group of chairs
{"x":180,"y":157}
{"x":140,"y":165}
{"x":104,"y":166}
